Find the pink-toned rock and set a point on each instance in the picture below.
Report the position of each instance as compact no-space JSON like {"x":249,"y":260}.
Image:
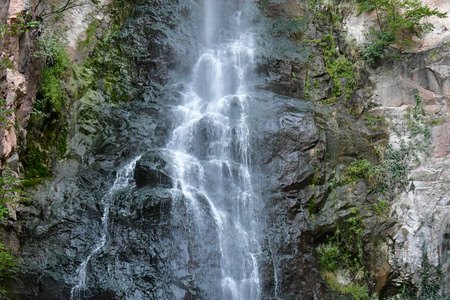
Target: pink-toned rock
{"x":14,"y":86}
{"x":432,"y":109}
{"x":16,"y":7}
{"x":16,"y":82}
{"x":357,"y":25}
{"x":441,"y":140}
{"x":396,"y":92}
{"x":428,"y":97}
{"x":8,"y":142}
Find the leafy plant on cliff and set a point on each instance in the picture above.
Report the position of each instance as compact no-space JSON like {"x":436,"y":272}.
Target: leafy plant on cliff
{"x":396,"y":23}
{"x":5,"y":113}
{"x":391,"y":173}
{"x":22,"y":23}
{"x":417,"y":121}
{"x":359,"y":169}
{"x":339,"y":68}
{"x":8,"y":267}
{"x":429,"y":286}
{"x":3,"y":29}
{"x":342,"y":256}
{"x":51,"y":87}
{"x":47,"y":128}
{"x":8,"y":264}
{"x":11,"y":191}
{"x":19,"y":25}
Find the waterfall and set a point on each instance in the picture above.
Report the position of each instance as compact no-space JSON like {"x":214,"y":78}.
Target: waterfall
{"x":211,"y":148}
{"x":123,"y":179}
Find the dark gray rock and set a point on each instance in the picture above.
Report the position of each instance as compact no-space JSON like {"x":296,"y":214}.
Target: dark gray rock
{"x":149,"y":251}
{"x":152,"y":169}
{"x":284,"y":133}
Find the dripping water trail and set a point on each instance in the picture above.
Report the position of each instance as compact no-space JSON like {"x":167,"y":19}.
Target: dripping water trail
{"x":123,"y":179}
{"x":275,"y":269}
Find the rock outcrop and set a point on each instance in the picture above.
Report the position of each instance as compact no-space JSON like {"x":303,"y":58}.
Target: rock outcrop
{"x":414,"y":97}
{"x":18,"y":75}
{"x":305,"y":133}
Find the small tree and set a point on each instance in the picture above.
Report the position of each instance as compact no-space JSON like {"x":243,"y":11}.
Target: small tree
{"x":396,"y":23}
{"x":44,"y":9}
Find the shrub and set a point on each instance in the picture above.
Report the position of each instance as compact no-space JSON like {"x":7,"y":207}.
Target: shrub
{"x":360,"y":169}
{"x":397,"y":22}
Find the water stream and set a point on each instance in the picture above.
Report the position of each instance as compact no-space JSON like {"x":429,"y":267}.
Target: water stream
{"x":123,"y":179}
{"x":212,"y":151}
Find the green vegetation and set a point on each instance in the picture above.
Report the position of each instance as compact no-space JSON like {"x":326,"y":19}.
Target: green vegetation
{"x":3,"y":29}
{"x":8,"y":264}
{"x":11,"y":191}
{"x":381,"y":208}
{"x":394,"y":168}
{"x":104,"y":68}
{"x":435,"y":122}
{"x":396,"y":23}
{"x":360,"y":169}
{"x":52,"y":92}
{"x":10,"y":187}
{"x":90,"y":35}
{"x":342,"y":254}
{"x":23,"y":24}
{"x":429,"y":288}
{"x":361,"y":207}
{"x":5,"y":63}
{"x":358,"y":291}
{"x":327,"y":12}
{"x":338,"y":67}
{"x":415,"y":117}
{"x":373,"y":123}
{"x":8,"y":267}
{"x":11,"y":194}
{"x":48,"y":125}
{"x":419,"y":123}
{"x":5,"y":123}
{"x":391,"y":173}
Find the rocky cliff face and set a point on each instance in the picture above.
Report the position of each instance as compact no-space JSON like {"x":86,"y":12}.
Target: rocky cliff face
{"x":421,"y":211}
{"x":304,"y":138}
{"x":401,"y":105}
{"x":18,"y":75}
{"x":419,"y":82}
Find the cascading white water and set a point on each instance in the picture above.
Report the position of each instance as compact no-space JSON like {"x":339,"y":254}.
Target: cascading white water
{"x":211,"y":150}
{"x":123,"y":179}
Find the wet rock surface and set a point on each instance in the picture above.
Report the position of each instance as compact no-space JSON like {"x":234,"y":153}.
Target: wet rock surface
{"x":151,"y":170}
{"x":63,"y":224}
{"x":146,"y":245}
{"x":285,"y":131}
{"x":298,"y":148}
